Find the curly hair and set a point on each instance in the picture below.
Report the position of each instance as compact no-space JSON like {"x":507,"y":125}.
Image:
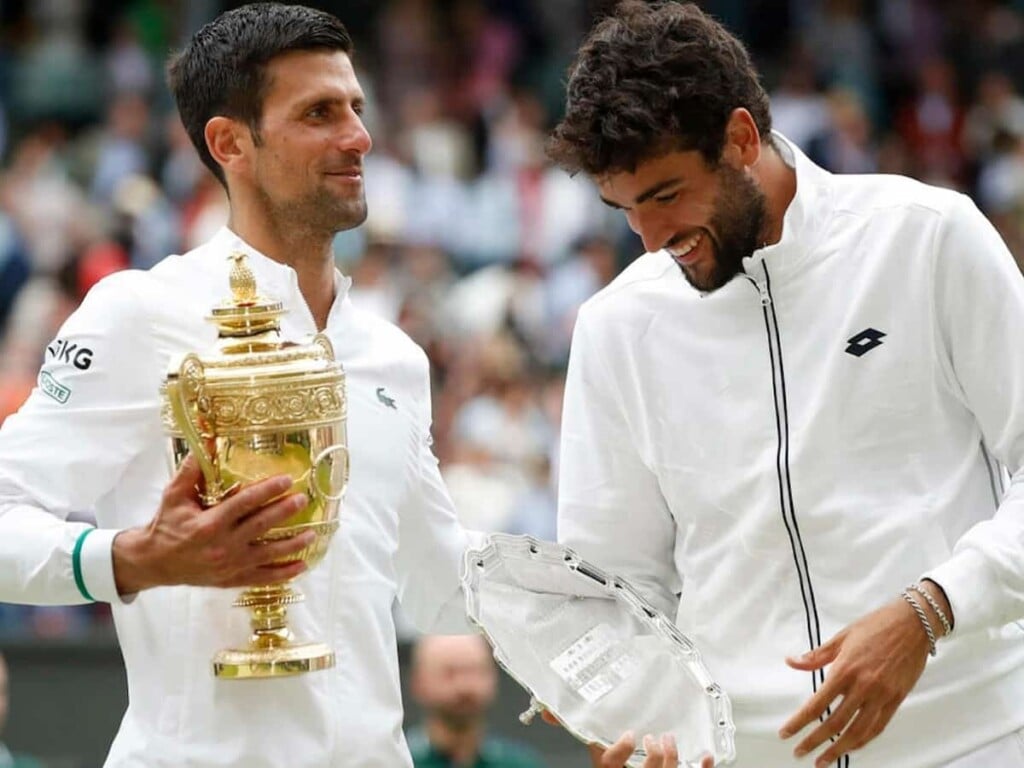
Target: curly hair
{"x":223,"y":69}
{"x":654,"y":78}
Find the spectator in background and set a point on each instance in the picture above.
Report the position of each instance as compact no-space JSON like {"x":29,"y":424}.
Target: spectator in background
{"x":999,"y":109}
{"x":840,"y":40}
{"x":799,"y":111}
{"x":120,"y":145}
{"x":48,"y":210}
{"x":454,"y":680}
{"x":932,"y":125}
{"x":14,"y":267}
{"x":127,"y":64}
{"x":409,"y":44}
{"x":1000,"y":189}
{"x":7,"y":759}
{"x":590,"y":267}
{"x":499,"y":435}
{"x":845,"y":145}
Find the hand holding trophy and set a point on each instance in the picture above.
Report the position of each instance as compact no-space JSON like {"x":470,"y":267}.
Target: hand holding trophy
{"x":252,"y":408}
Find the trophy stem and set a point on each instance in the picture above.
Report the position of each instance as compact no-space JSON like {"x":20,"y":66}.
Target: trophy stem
{"x":268,"y":614}
{"x":272,"y":650}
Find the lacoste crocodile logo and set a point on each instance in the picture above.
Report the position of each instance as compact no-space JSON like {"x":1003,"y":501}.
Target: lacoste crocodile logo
{"x":388,"y":401}
{"x":864,"y":342}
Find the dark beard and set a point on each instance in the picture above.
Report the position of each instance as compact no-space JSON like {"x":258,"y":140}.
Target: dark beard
{"x":458,"y":721}
{"x":740,"y":211}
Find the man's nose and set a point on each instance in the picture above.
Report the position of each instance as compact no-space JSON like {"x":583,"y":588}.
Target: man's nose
{"x":652,"y":232}
{"x":356,"y":138}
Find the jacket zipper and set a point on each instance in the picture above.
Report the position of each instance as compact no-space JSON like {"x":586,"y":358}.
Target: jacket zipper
{"x":995,"y":475}
{"x":771,"y":324}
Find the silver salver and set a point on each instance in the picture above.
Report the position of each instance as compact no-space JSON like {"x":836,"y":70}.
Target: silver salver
{"x":592,"y":651}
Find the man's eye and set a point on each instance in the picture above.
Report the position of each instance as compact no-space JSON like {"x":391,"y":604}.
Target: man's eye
{"x":317,"y":113}
{"x":666,"y":198}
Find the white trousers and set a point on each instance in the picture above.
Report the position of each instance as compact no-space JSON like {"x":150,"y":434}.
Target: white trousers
{"x":1007,"y":752}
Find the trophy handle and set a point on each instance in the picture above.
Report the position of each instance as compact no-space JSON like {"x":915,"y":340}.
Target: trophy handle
{"x":321,"y":340}
{"x":325,"y":495}
{"x":181,"y":389}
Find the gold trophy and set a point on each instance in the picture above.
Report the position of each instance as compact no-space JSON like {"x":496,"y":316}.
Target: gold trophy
{"x":257,"y":406}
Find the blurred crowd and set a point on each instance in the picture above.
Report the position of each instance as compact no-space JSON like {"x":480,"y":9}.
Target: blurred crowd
{"x":474,"y":245}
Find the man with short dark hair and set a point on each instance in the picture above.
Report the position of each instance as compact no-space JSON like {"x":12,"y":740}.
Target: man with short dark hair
{"x":454,"y":679}
{"x":787,"y":422}
{"x":268,"y":96}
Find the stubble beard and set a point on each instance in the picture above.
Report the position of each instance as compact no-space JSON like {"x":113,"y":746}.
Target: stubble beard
{"x":318,"y":216}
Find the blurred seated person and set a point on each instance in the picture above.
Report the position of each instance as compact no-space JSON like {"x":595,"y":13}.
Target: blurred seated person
{"x":454,"y":680}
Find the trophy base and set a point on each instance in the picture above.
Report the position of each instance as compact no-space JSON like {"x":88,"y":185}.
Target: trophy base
{"x":259,"y":663}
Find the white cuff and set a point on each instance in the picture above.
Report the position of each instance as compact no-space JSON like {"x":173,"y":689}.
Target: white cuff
{"x":963,"y":577}
{"x":93,"y":565}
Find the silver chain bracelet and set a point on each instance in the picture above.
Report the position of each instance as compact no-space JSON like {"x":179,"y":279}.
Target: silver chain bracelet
{"x":909,"y":597}
{"x":946,"y":626}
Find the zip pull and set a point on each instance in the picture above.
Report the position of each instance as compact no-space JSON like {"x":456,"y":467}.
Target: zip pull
{"x":762,"y":289}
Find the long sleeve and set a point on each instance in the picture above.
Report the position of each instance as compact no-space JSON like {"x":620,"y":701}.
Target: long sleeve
{"x":431,"y":542}
{"x":610,"y":507}
{"x":68,"y":446}
{"x":979,"y":297}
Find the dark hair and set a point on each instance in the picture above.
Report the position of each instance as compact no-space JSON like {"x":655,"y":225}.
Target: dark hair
{"x":222,"y":70}
{"x":650,"y":79}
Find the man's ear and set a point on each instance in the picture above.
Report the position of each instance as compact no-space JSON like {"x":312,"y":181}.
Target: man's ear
{"x":742,"y":147}
{"x":229,"y":142}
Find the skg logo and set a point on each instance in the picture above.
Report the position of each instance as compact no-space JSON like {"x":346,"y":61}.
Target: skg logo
{"x":64,"y":351}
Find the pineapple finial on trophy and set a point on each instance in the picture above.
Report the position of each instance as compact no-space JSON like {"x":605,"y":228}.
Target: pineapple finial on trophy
{"x":245,"y":314}
{"x":242,"y":280}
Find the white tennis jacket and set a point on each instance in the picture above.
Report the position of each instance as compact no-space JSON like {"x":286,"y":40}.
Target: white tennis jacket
{"x":90,"y":438}
{"x":790,"y":451}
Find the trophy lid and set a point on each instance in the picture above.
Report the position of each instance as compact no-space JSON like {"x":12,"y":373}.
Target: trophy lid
{"x":246,"y":313}
{"x":253,"y":379}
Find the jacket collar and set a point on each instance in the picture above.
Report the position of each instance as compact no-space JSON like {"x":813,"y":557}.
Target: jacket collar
{"x":804,"y":221}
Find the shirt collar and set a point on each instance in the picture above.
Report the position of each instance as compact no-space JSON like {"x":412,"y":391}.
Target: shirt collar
{"x":273,"y":279}
{"x":805,"y":217}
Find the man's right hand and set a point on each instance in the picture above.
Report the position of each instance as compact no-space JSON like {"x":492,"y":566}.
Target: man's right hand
{"x":661,"y":753}
{"x":215,"y":547}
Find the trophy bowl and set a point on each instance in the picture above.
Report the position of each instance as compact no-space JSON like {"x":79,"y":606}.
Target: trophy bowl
{"x":253,"y":407}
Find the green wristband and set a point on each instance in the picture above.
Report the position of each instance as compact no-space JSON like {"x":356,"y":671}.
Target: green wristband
{"x":76,"y":565}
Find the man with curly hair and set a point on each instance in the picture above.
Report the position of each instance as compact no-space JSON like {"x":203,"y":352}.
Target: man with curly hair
{"x":788,"y":422}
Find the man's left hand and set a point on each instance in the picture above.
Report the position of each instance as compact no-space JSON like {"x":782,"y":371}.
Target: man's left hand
{"x":661,"y":753}
{"x":874,"y":663}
